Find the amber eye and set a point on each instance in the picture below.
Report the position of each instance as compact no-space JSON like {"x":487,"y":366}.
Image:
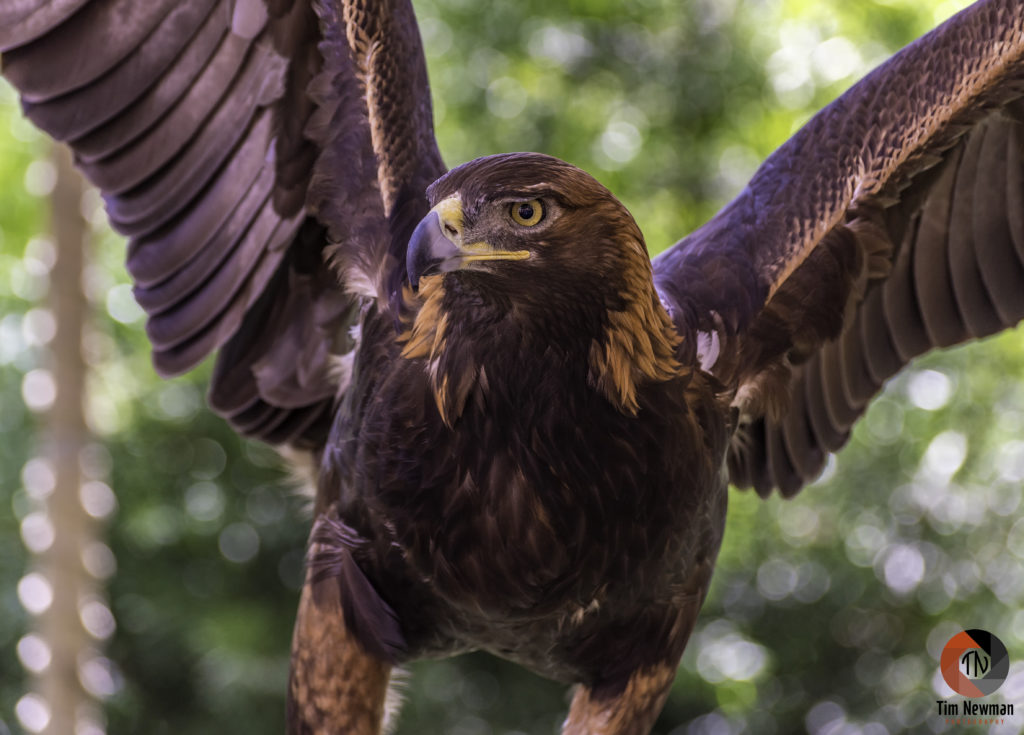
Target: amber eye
{"x":528,"y":213}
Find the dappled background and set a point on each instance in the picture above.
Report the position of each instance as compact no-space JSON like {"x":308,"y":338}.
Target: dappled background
{"x":827,"y":613}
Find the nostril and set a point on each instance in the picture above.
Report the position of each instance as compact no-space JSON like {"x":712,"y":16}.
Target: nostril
{"x":450,"y":229}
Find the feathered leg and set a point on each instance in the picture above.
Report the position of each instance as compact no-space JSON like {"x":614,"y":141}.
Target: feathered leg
{"x":631,"y":711}
{"x":335,"y":685}
{"x":627,"y":701}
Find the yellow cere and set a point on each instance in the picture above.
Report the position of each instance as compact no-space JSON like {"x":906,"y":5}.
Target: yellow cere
{"x":450,"y":212}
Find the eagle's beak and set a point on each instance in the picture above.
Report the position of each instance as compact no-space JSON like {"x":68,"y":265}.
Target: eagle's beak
{"x":436,"y":245}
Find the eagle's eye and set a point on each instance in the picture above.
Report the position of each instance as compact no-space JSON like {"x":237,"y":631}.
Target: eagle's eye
{"x":528,"y":213}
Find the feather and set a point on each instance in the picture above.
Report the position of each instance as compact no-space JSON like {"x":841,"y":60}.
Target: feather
{"x":27,"y":20}
{"x":932,"y":279}
{"x":230,"y":204}
{"x":165,"y":91}
{"x":74,"y":114}
{"x":368,"y":616}
{"x":806,"y":456}
{"x":1001,"y":270}
{"x":880,"y":355}
{"x":71,"y":47}
{"x":972,"y":298}
{"x":184,"y":149}
{"x":204,"y":282}
{"x":199,"y":326}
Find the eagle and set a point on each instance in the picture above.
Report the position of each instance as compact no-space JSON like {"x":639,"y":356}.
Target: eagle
{"x":521,"y":429}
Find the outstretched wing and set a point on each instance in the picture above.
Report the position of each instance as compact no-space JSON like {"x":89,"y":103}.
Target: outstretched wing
{"x":892,"y":223}
{"x":262,"y":156}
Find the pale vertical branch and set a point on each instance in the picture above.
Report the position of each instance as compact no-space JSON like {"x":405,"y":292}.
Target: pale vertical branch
{"x":66,"y":435}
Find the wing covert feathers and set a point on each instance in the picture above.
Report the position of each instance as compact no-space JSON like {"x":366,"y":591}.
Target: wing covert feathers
{"x":890,"y":224}
{"x":250,"y":151}
{"x":372,"y":48}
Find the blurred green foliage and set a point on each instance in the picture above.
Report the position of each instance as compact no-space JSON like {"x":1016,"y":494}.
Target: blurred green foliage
{"x":827,"y":613}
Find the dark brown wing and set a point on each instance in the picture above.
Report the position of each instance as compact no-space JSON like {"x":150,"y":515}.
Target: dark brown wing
{"x":260,"y":156}
{"x":892,"y":223}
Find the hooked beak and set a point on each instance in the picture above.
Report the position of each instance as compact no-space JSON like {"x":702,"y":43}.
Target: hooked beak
{"x":436,"y":244}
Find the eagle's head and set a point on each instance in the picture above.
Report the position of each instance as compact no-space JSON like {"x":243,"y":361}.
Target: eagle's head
{"x":522,"y":216}
{"x":530,"y":244}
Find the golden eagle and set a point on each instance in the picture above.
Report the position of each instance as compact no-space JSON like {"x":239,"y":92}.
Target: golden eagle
{"x":523,"y":429}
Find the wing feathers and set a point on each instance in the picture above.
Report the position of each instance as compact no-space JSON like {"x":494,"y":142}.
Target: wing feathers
{"x":143,"y":112}
{"x":189,"y":142}
{"x":229,"y":204}
{"x":972,"y":297}
{"x":880,"y":354}
{"x":218,"y":130}
{"x":275,"y":339}
{"x":27,"y":20}
{"x":191,"y":315}
{"x":72,"y":48}
{"x":957,"y":258}
{"x":197,"y":327}
{"x":891,"y":224}
{"x":858,"y":381}
{"x":901,"y":311}
{"x":74,"y":114}
{"x":1015,"y":187}
{"x":824,"y":427}
{"x":840,"y":406}
{"x":171,"y":108}
{"x":780,"y":467}
{"x":932,"y":280}
{"x":998,"y":262}
{"x":197,"y":281}
{"x":806,"y":456}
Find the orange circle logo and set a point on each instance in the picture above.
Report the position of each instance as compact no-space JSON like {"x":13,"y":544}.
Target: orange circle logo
{"x":974,"y":663}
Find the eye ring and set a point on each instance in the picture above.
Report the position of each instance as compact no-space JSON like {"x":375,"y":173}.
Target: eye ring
{"x":527,"y":213}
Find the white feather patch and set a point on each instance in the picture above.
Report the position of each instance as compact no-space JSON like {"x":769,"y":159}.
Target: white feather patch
{"x":340,"y":369}
{"x":303,"y":470}
{"x":708,"y":347}
{"x":359,"y":282}
{"x":394,"y":699}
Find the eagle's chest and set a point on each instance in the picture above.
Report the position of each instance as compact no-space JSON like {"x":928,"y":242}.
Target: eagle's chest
{"x":540,"y":498}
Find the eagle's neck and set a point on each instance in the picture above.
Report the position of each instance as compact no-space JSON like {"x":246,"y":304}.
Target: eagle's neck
{"x":614,"y":351}
{"x":640,"y":342}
